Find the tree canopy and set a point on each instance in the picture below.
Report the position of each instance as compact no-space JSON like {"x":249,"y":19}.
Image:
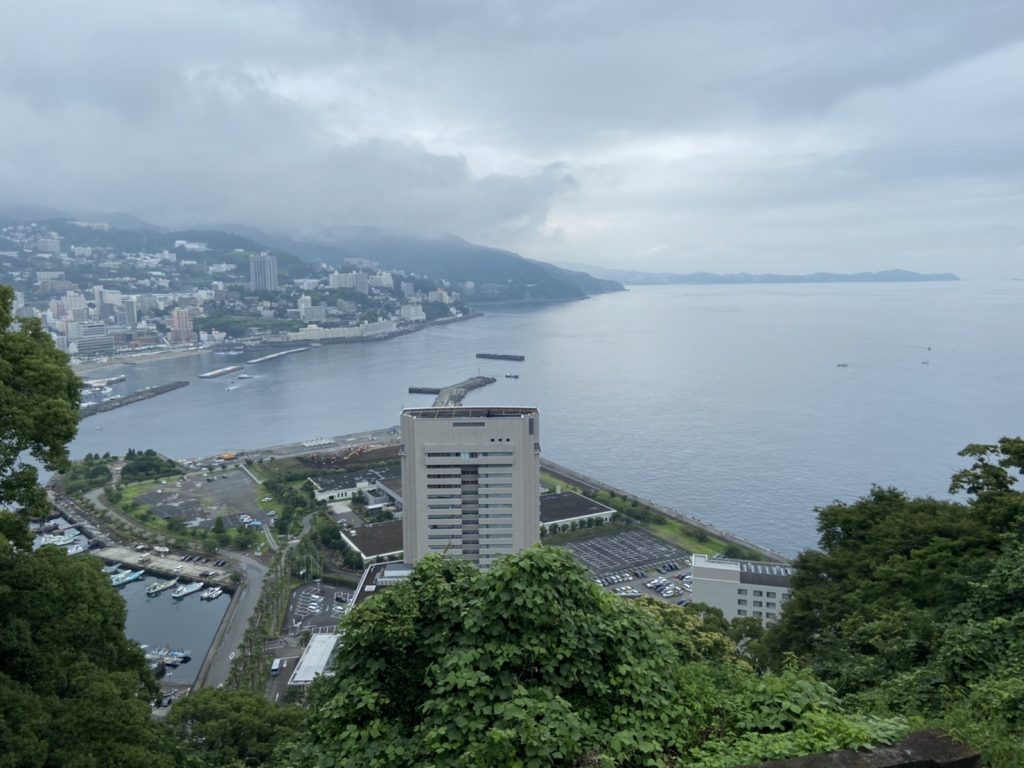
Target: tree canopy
{"x":74,"y":691}
{"x":916,"y":606}
{"x":532,"y":664}
{"x":39,"y":398}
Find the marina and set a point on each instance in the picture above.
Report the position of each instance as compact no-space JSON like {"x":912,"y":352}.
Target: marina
{"x":175,"y":631}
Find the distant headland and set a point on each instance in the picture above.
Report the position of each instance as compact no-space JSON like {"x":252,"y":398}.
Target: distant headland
{"x":630,"y":277}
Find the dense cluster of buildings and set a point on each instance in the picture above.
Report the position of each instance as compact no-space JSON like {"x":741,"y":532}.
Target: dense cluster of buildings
{"x":102,"y":300}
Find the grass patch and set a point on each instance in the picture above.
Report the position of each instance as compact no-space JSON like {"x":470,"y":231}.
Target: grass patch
{"x":278,"y":469}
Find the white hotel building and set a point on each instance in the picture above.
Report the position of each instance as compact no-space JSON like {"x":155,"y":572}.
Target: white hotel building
{"x":470,"y":482}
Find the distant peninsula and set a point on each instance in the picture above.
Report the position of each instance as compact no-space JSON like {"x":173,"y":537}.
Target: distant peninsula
{"x":629,"y":277}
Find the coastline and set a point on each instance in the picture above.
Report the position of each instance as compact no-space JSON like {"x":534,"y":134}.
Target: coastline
{"x":90,"y":366}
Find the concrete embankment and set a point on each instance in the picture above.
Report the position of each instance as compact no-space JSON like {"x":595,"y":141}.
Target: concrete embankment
{"x":134,"y":397}
{"x":589,"y":484}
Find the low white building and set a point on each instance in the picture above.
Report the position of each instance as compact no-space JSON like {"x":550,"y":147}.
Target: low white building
{"x":742,"y":587}
{"x":315,"y":659}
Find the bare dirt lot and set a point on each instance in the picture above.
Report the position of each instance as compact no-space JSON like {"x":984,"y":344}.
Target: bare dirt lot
{"x":201,"y":498}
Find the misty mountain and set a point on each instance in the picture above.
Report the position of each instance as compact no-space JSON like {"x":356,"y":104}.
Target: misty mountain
{"x":632,"y":277}
{"x":496,"y":274}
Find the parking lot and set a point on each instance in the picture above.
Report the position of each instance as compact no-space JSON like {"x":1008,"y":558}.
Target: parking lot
{"x":317,"y":605}
{"x":622,"y":551}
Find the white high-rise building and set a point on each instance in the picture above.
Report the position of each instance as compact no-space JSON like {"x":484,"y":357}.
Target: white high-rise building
{"x":470,"y":482}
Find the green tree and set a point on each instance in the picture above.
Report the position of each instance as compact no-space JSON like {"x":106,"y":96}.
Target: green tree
{"x":73,"y":690}
{"x":39,"y":398}
{"x":225,"y":729}
{"x":532,"y":664}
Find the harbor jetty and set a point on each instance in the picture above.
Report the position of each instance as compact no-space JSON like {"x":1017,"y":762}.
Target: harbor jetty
{"x":221,"y":371}
{"x":274,"y":355}
{"x":135,"y":397}
{"x":494,"y":356}
{"x":453,"y":394}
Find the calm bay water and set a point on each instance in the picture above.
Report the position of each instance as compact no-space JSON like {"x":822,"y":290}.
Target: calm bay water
{"x":725,"y":402}
{"x":161,"y":621}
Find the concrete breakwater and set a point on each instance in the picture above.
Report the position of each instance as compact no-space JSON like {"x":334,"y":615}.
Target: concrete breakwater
{"x":453,"y":395}
{"x":134,"y":397}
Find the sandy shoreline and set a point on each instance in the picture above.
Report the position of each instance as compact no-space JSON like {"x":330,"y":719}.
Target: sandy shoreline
{"x":91,"y":365}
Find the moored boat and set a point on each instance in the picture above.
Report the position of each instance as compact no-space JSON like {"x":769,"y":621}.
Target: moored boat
{"x":184,"y":590}
{"x":160,"y":586}
{"x":211,"y":593}
{"x":124,"y":577}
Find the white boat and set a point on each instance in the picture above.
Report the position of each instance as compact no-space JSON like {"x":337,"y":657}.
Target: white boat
{"x":69,"y":536}
{"x":112,"y":569}
{"x":76,"y":549}
{"x":160,"y":586}
{"x":211,"y":593}
{"x":245,"y":376}
{"x":124,"y":577}
{"x":184,"y":590}
{"x":169,"y":657}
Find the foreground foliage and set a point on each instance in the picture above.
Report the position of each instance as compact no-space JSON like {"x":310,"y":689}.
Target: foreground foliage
{"x":74,"y":692}
{"x":532,"y":664}
{"x":916,"y":606}
{"x":39,"y":397}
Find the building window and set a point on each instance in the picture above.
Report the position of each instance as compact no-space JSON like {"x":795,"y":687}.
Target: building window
{"x":757,"y":614}
{"x":741,"y":601}
{"x":758,"y":593}
{"x":741,"y":612}
{"x":769,"y":615}
{"x":741,"y":591}
{"x":770,"y":604}
{"x":770,"y":594}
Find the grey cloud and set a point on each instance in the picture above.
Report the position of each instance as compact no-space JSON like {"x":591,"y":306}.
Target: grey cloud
{"x":535,"y":125}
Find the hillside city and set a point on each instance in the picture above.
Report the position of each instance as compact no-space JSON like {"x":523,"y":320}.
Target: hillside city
{"x":101,"y":300}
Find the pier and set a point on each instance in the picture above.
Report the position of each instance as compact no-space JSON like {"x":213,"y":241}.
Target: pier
{"x":134,"y":397}
{"x":274,"y":355}
{"x":453,"y":394}
{"x":221,"y":371}
{"x":167,"y":567}
{"x":424,"y":390}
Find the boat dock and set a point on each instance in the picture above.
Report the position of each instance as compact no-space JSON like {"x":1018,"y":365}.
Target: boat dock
{"x":274,"y":355}
{"x":453,"y":395}
{"x":221,"y":371}
{"x":167,"y":566}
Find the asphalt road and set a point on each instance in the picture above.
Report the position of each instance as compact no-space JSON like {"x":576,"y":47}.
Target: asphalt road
{"x":229,"y":638}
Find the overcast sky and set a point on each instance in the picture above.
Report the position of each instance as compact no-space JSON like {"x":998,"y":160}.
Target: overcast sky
{"x":675,"y":136}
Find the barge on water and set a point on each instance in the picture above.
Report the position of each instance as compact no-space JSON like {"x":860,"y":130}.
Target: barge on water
{"x":221,"y":372}
{"x":494,"y":356}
